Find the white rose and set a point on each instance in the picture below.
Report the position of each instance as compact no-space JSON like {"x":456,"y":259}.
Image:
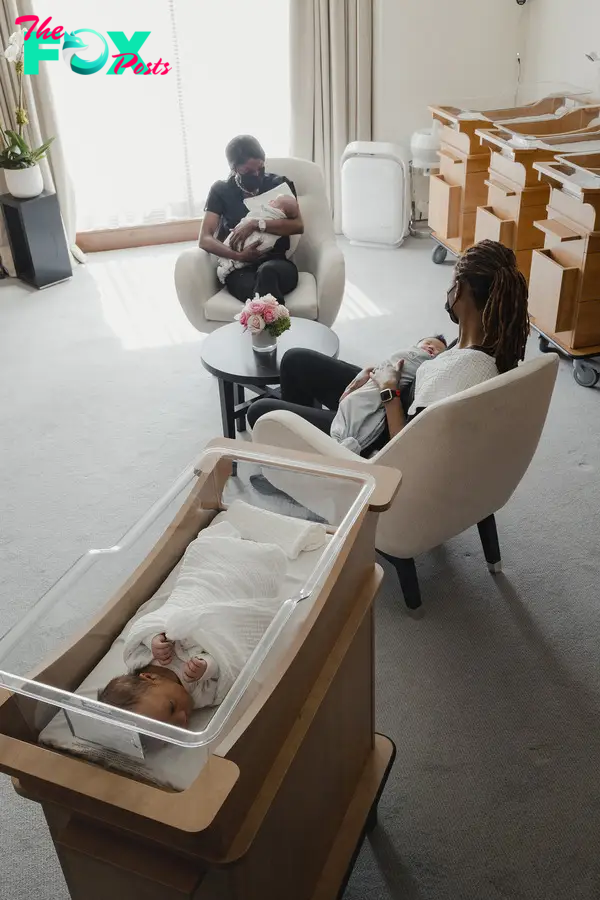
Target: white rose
{"x":255,"y":324}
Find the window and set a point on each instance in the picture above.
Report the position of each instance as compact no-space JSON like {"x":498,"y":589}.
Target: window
{"x":143,"y":150}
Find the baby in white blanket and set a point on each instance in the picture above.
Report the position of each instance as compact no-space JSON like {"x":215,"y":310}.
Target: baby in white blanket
{"x":284,"y":206}
{"x":188,"y":653}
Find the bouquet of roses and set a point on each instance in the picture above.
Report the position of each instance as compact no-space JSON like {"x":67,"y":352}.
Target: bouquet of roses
{"x":264,"y":314}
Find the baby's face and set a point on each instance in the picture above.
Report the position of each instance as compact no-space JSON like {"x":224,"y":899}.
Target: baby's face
{"x":166,"y":701}
{"x":286,"y":204}
{"x":432,"y":345}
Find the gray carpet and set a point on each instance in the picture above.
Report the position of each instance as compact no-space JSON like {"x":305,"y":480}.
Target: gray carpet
{"x":491,"y":696}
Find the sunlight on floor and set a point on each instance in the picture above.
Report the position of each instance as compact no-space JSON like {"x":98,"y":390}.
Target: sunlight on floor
{"x":357,"y":305}
{"x":139,"y":303}
{"x":138,"y":299}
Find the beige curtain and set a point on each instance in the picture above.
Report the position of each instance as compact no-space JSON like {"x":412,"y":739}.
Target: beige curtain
{"x":42,"y":125}
{"x":331,"y":83}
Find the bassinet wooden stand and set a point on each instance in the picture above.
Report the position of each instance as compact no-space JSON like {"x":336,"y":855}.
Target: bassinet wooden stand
{"x":280,"y":808}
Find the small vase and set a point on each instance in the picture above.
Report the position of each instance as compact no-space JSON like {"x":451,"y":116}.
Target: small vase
{"x":264,"y":342}
{"x":24,"y":183}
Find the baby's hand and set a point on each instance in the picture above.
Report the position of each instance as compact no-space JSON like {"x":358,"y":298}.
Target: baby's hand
{"x":162,"y":649}
{"x":194,"y":669}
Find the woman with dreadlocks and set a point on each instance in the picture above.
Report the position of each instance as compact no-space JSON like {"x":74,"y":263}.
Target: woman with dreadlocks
{"x":487,"y":300}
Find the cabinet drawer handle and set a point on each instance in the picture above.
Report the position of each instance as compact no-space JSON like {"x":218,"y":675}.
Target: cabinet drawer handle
{"x":558,"y":229}
{"x":496,"y":184}
{"x":447,"y":154}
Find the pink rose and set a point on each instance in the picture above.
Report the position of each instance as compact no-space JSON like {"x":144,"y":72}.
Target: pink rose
{"x":255,"y":307}
{"x":269,"y":315}
{"x":270,"y":301}
{"x":282,"y":311}
{"x":243,"y":318}
{"x":256,"y":324}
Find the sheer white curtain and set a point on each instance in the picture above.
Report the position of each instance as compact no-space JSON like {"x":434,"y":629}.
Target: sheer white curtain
{"x":143,"y":150}
{"x":332,"y":83}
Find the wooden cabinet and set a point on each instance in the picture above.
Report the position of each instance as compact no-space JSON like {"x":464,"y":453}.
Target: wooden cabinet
{"x":444,"y":208}
{"x":487,"y":186}
{"x":460,"y":187}
{"x":514,"y":190}
{"x":564,"y":289}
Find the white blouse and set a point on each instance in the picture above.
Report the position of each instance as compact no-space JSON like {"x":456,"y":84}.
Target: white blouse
{"x":449,"y":373}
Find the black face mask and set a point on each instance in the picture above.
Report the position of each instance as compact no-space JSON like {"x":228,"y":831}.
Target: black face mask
{"x":450,"y":306}
{"x":250,"y":183}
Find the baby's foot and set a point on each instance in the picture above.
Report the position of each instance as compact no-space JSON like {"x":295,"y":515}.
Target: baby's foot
{"x":194,"y":669}
{"x":162,"y":649}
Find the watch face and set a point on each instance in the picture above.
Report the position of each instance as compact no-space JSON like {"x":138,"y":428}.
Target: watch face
{"x":386,"y":395}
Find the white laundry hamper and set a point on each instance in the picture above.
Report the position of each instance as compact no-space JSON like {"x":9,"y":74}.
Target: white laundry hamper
{"x":375,"y":194}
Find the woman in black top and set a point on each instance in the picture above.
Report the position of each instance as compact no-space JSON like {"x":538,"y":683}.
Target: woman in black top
{"x":267,"y":273}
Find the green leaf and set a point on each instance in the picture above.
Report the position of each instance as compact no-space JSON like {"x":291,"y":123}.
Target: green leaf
{"x":18,"y":140}
{"x":40,"y":152}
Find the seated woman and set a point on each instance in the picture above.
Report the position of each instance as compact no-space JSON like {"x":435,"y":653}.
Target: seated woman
{"x":487,"y":300}
{"x":262,"y":273}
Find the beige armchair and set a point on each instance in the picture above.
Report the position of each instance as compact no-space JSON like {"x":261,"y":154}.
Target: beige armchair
{"x":461,"y":460}
{"x":320,"y":262}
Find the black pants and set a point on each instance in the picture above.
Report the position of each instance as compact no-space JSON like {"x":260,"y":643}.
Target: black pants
{"x":274,"y":276}
{"x":309,"y":382}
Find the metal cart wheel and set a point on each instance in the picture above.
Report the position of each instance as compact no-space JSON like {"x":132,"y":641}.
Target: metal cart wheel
{"x":544,"y":345}
{"x":439,"y":255}
{"x":585,"y":374}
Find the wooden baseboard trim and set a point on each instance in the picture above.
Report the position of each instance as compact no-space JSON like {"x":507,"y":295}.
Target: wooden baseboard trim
{"x":139,"y":236}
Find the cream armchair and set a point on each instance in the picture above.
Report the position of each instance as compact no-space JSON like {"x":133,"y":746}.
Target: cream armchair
{"x":320,"y":262}
{"x":461,"y":460}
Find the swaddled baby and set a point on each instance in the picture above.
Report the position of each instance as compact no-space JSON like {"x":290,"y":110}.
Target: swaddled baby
{"x":361,"y":418}
{"x":188,"y":653}
{"x":284,"y":206}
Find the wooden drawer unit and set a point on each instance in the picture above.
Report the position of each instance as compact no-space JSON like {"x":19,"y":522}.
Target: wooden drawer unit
{"x":590,"y":281}
{"x":460,"y":187}
{"x":528,"y":237}
{"x":583,"y":215}
{"x":586,"y":331}
{"x":552,"y":292}
{"x":572,"y":237}
{"x":457,"y":168}
{"x":513,"y":171}
{"x":524,"y":262}
{"x":444,"y":207}
{"x":491,"y":227}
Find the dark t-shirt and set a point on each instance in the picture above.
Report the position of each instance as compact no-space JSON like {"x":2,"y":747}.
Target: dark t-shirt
{"x":226,"y":199}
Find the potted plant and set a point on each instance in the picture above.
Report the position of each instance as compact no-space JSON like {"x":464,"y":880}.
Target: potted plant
{"x":17,"y":158}
{"x":265,"y":318}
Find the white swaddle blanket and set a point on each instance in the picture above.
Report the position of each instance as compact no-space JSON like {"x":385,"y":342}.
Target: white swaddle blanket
{"x":226,"y":595}
{"x":264,"y":239}
{"x":291,"y":535}
{"x":258,"y":208}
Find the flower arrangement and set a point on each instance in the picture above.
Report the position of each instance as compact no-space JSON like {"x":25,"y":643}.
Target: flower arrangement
{"x":15,"y":152}
{"x":264,"y":314}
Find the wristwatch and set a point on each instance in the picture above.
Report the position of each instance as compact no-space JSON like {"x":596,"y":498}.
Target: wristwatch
{"x":388,"y":394}
{"x":262,"y":225}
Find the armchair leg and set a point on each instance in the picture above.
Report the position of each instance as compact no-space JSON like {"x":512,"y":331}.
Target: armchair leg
{"x":408,"y":578}
{"x":491,"y":548}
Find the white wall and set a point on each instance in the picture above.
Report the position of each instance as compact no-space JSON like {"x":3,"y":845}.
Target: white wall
{"x":443,"y":51}
{"x":559,"y":33}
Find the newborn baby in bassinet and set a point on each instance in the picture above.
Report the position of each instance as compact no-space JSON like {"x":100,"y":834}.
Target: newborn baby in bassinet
{"x":361,"y":418}
{"x":188,"y":653}
{"x":283,"y":206}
